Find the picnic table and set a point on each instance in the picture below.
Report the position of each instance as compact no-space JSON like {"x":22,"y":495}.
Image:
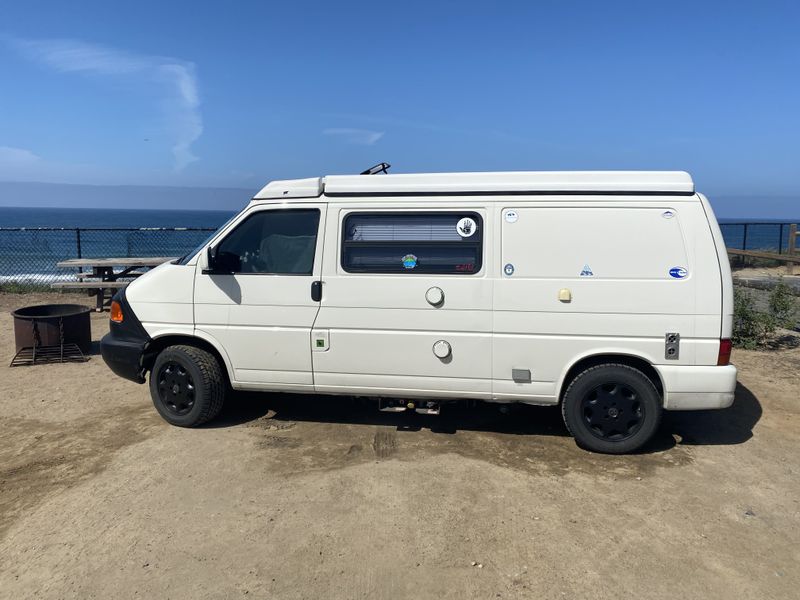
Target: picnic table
{"x":107,"y":275}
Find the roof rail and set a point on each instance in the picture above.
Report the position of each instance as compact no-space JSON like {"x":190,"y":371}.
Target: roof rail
{"x":519,"y":182}
{"x":509,"y":183}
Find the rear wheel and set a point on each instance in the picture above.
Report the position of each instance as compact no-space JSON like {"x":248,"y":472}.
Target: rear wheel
{"x":187,"y":386}
{"x":612,"y":408}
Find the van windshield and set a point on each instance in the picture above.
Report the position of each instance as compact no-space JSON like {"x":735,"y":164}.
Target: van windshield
{"x":187,"y":257}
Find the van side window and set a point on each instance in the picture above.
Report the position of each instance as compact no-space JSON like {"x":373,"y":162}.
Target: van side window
{"x":412,"y":242}
{"x":277,"y":242}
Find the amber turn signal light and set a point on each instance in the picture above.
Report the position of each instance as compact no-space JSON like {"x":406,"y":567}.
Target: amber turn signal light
{"x":116,"y":312}
{"x":724,"y":356}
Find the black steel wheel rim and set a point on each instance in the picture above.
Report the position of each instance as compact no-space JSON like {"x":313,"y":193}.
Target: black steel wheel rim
{"x":612,"y":411}
{"x":176,"y":388}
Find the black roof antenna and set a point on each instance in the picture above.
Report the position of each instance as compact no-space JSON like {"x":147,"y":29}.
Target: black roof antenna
{"x":379,"y":168}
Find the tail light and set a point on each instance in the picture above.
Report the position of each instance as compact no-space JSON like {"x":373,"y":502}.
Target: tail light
{"x":724,"y":356}
{"x":116,"y":312}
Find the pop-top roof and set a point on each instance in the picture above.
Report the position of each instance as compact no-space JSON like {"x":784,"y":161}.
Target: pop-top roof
{"x":519,"y":182}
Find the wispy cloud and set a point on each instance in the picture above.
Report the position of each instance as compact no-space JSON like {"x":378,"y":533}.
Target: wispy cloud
{"x":364,"y":137}
{"x":174,"y":77}
{"x":11,"y":157}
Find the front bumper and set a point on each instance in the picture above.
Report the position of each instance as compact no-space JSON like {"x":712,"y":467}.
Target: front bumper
{"x":123,"y":357}
{"x":697,"y":388}
{"x":123,"y":348}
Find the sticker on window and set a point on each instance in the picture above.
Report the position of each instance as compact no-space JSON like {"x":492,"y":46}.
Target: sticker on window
{"x":409,"y":261}
{"x":466,"y":227}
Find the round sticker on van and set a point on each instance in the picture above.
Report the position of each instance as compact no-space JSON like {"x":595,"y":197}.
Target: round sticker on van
{"x":678,"y":272}
{"x":466,"y":227}
{"x":511,"y":216}
{"x":509,"y":269}
{"x":409,"y":261}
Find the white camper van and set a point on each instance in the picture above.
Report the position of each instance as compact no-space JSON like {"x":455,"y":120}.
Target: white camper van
{"x":608,"y":293}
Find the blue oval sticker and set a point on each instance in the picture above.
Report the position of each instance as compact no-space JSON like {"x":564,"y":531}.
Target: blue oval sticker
{"x":678,"y":272}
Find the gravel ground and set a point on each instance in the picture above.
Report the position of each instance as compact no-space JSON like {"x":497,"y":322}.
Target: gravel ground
{"x":311,"y":497}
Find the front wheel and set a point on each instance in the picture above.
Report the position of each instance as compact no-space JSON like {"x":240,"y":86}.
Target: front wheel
{"x":612,"y":408}
{"x":187,"y":386}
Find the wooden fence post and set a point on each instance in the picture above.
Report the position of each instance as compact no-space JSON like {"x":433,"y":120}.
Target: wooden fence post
{"x":792,"y":247}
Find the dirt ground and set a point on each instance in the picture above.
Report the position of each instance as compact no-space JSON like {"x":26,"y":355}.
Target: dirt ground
{"x":310,"y":497}
{"x":771,"y":272}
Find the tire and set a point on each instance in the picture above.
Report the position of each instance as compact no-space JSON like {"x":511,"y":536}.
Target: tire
{"x":187,"y":386}
{"x":612,"y":408}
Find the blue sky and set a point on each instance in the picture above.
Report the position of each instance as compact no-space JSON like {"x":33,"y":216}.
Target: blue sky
{"x":234,"y":94}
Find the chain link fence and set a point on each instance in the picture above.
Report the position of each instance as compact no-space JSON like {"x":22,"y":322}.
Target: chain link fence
{"x":28,"y":256}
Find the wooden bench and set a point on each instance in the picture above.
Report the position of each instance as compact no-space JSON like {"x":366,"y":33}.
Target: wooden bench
{"x":89,"y":285}
{"x":125,"y":261}
{"x":91,"y":275}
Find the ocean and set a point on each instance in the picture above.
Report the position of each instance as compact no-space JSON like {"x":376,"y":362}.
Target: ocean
{"x":89,"y":218}
{"x":33,"y":240}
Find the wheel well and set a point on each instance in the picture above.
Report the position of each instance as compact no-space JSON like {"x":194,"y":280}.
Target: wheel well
{"x":157,"y":345}
{"x":624,"y":359}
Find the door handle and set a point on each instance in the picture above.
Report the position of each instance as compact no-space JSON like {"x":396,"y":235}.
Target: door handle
{"x":316,"y":291}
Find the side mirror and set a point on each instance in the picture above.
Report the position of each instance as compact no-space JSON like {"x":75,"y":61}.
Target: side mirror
{"x":207,"y":263}
{"x":222,"y":263}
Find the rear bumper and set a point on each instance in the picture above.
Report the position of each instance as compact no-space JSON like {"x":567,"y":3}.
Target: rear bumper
{"x":697,"y":388}
{"x":123,"y":357}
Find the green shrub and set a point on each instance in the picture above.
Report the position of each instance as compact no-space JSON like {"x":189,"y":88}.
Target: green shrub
{"x":16,"y":287}
{"x":750,"y":328}
{"x":783,"y":305}
{"x":753,"y":328}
